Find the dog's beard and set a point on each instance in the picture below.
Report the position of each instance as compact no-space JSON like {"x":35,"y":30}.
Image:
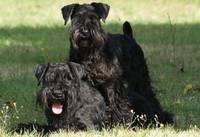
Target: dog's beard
{"x":93,"y":39}
{"x":57,"y":105}
{"x":45,"y":99}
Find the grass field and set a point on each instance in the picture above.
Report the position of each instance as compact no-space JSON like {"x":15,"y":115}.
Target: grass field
{"x":32,"y":32}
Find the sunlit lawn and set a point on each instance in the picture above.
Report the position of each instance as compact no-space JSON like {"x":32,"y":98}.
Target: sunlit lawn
{"x":33,"y":32}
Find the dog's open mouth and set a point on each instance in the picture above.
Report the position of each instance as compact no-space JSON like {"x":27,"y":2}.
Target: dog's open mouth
{"x":57,"y":108}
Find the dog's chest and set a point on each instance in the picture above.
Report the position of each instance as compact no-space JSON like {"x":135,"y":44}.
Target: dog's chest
{"x":101,"y":69}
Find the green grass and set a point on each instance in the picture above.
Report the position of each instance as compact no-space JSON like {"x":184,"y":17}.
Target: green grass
{"x":32,"y":32}
{"x":117,"y":132}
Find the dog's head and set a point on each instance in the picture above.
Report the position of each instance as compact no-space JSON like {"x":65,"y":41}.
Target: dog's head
{"x":86,"y":22}
{"x":59,"y":85}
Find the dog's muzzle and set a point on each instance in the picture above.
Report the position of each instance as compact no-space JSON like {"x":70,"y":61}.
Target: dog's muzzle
{"x":85,"y":32}
{"x":57,"y":103}
{"x":84,"y":36}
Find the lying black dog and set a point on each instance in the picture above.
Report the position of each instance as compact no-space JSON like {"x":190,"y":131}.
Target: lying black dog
{"x":72,"y":103}
{"x":69,"y":102}
{"x":114,"y":63}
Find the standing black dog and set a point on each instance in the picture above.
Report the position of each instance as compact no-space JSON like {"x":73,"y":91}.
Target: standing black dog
{"x":114,"y":63}
{"x":69,"y":102}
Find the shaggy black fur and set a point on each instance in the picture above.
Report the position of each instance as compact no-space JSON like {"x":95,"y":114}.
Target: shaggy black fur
{"x":69,"y":102}
{"x":114,"y":64}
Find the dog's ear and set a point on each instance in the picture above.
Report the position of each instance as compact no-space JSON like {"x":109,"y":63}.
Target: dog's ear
{"x":77,"y":69}
{"x":101,"y":9}
{"x":67,"y":11}
{"x":40,"y":71}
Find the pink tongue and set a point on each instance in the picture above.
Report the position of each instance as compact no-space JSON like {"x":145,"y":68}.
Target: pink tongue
{"x":57,"y":108}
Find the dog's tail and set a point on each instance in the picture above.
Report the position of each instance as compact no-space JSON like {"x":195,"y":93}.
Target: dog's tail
{"x":127,"y":29}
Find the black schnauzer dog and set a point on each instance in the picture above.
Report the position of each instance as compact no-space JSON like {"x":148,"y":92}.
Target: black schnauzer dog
{"x":69,"y":102}
{"x":114,"y":63}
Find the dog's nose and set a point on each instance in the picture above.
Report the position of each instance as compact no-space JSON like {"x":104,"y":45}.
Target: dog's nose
{"x":85,"y":30}
{"x":57,"y":94}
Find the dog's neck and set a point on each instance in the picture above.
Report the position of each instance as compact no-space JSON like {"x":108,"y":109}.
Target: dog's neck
{"x":80,"y":53}
{"x":86,"y":54}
